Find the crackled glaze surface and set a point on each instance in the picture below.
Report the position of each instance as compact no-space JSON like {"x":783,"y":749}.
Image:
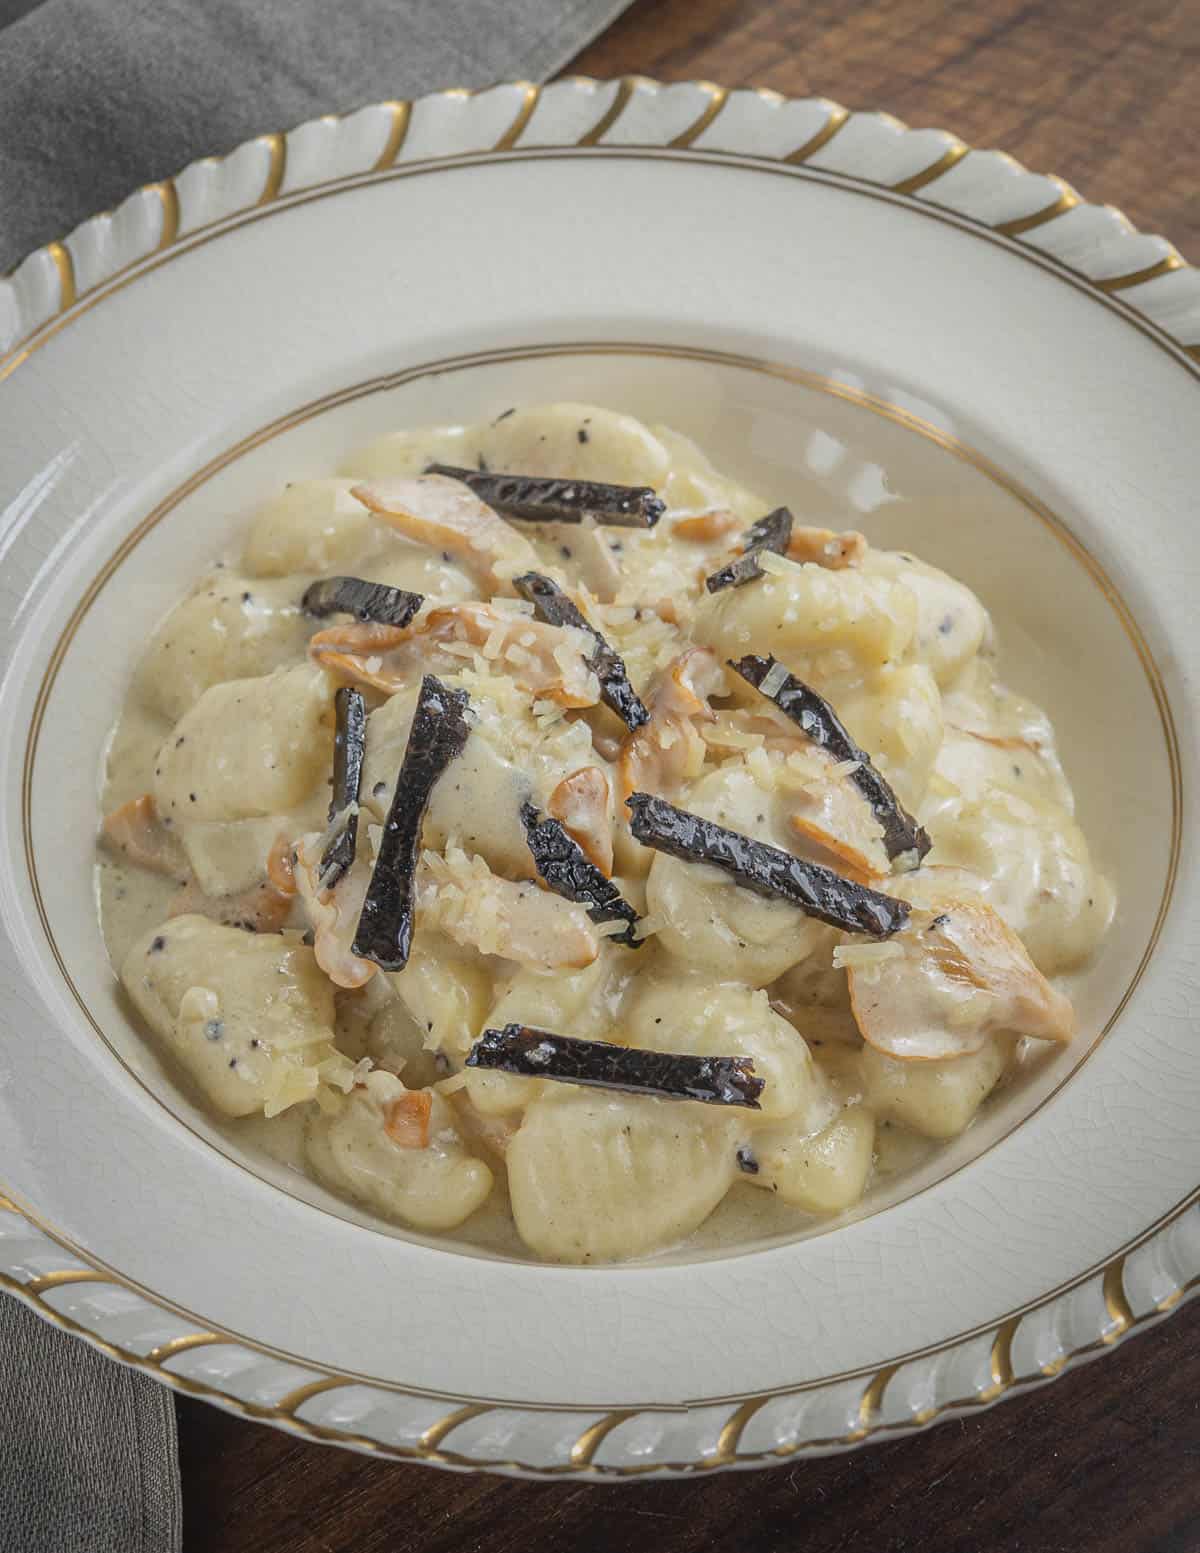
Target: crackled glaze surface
{"x":899,"y":296}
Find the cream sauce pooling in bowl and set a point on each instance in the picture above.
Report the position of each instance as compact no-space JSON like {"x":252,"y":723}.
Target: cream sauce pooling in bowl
{"x":217,"y":802}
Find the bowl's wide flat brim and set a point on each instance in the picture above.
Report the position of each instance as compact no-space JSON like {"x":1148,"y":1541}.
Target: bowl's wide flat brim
{"x":250,"y":300}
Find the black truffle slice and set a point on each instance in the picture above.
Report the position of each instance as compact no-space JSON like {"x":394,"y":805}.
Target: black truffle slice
{"x":566,"y":868}
{"x":774,"y":532}
{"x":765,"y":869}
{"x":542,"y":1054}
{"x":439,"y":732}
{"x":545,"y":499}
{"x":349,"y":746}
{"x":366,"y":601}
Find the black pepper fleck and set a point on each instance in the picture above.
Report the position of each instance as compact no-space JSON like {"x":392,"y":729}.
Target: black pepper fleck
{"x":746,"y":1161}
{"x":246,"y":597}
{"x":157,"y":945}
{"x":565,"y":552}
{"x":214,"y":1029}
{"x":582,"y":434}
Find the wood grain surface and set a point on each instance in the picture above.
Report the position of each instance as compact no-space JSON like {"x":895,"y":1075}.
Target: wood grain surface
{"x":1106,"y":1460}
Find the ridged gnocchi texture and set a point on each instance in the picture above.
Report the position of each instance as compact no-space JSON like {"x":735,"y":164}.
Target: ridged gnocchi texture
{"x":218,"y":812}
{"x":249,"y":1016}
{"x":598,"y":1177}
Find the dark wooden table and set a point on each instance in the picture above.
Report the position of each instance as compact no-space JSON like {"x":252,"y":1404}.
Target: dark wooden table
{"x":1106,"y":1460}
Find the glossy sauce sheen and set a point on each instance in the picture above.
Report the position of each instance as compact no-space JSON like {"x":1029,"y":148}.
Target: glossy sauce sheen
{"x":904,"y":654}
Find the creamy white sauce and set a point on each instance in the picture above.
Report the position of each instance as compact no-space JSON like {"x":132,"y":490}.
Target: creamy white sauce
{"x":910,"y":669}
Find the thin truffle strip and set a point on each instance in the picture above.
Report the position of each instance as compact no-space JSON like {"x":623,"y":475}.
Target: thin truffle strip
{"x":566,"y":869}
{"x":439,"y":732}
{"x":774,"y":532}
{"x":551,"y":605}
{"x":765,"y":869}
{"x":366,"y":601}
{"x":818,"y":721}
{"x":542,"y":1054}
{"x":544,"y":499}
{"x":349,"y":746}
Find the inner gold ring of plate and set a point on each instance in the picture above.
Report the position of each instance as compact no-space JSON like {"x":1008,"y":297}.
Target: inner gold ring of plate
{"x":799,"y":376}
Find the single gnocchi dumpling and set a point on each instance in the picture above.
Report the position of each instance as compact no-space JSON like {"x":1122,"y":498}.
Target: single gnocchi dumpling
{"x":572,"y":441}
{"x":231,"y":627}
{"x":248,"y":748}
{"x":398,"y":1152}
{"x":597,"y":1177}
{"x":249,"y":1016}
{"x":545,"y":439}
{"x":952,"y":624}
{"x":796,"y":610}
{"x":689,"y":1014}
{"x":447,"y":990}
{"x":970,"y":764}
{"x":313,"y":526}
{"x":1037,"y":869}
{"x":822,"y":1171}
{"x":936,"y":1099}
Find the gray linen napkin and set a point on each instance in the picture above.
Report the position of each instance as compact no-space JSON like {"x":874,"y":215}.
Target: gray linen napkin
{"x":87,"y":1447}
{"x":97,"y":97}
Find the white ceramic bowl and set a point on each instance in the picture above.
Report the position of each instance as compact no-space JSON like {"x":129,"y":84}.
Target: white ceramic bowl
{"x":962,"y":353}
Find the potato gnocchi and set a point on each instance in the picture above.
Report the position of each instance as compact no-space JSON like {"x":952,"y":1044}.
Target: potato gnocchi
{"x":776,"y":1054}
